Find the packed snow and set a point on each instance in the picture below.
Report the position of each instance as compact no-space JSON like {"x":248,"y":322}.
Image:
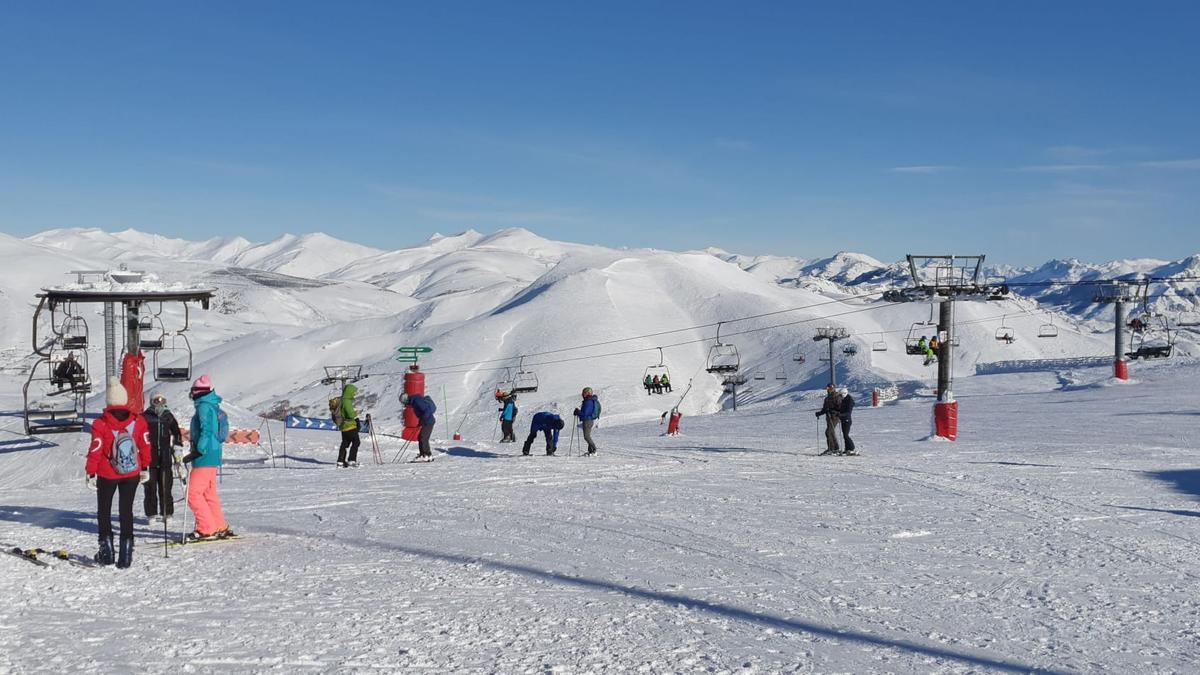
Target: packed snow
{"x":1054,"y":535}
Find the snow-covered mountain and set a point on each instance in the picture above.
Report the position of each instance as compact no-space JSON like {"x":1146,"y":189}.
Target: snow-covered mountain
{"x":286,"y":308}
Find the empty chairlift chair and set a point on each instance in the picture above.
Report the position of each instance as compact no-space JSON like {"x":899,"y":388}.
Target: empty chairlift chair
{"x":879,"y":345}
{"x":723,"y":358}
{"x":1048,"y":330}
{"x":760,"y":375}
{"x":74,"y":333}
{"x":525,"y":381}
{"x":173,"y":363}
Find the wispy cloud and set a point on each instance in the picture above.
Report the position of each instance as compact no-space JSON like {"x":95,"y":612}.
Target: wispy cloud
{"x":1075,"y":153}
{"x":923,"y":168}
{"x":1063,"y":168}
{"x":733,"y":144}
{"x":1178,"y":164}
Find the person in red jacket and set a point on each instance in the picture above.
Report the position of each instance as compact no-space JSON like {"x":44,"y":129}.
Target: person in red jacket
{"x":118,"y":460}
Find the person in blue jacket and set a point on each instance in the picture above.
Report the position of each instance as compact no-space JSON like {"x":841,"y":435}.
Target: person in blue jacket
{"x":424,"y":407}
{"x":588,"y":412}
{"x":548,"y":423}
{"x":508,"y":417}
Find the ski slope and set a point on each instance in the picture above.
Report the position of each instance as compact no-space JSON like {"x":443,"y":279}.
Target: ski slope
{"x":1057,"y":535}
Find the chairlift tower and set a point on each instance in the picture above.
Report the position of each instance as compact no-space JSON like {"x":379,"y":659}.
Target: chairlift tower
{"x":945,"y":279}
{"x":124,"y":289}
{"x":1118,"y":294}
{"x":831,"y":334}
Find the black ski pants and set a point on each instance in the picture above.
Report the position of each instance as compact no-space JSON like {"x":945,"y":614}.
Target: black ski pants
{"x":846,"y":434}
{"x":105,"y":489}
{"x":350,"y":440}
{"x":159,"y":488}
{"x":507,"y":433}
{"x":549,"y":441}
{"x":423,"y":441}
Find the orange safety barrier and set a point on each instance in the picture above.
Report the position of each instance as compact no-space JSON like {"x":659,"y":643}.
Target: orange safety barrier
{"x":236,"y":436}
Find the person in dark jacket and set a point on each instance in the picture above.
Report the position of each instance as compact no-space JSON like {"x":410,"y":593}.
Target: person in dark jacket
{"x":587,"y":412}
{"x":69,"y":373}
{"x":845,"y":412}
{"x":424,"y":408}
{"x":831,"y":410}
{"x":164,"y":438}
{"x":549,"y":424}
{"x":508,"y":417}
{"x":118,"y":433}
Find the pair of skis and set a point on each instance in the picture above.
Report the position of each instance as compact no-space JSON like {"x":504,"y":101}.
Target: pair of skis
{"x":32,"y":555}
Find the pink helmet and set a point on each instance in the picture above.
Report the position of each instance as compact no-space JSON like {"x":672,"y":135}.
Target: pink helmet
{"x":202,"y":384}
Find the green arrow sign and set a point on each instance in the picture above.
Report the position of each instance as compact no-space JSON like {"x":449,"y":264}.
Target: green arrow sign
{"x":406,"y":359}
{"x":414,"y":350}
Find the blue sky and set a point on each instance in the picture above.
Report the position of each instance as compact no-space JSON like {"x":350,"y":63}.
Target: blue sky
{"x":1021,"y":130}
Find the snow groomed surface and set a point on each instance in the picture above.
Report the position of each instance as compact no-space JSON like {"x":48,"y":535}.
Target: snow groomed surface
{"x":1058,"y":535}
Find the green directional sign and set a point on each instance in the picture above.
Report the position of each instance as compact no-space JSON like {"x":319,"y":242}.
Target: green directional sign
{"x":414,"y":350}
{"x":406,"y":359}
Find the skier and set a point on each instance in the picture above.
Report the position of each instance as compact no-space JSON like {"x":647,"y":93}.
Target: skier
{"x":831,"y":410}
{"x":588,"y":412}
{"x":424,"y":408}
{"x":164,"y":438}
{"x":845,"y":412}
{"x":930,"y":357}
{"x":69,"y":372}
{"x":508,"y":417}
{"x":648,"y":383}
{"x":665,"y":381}
{"x":657,"y":384}
{"x":348,"y":427}
{"x":117,"y":460}
{"x":205,"y":456}
{"x":547,"y":423}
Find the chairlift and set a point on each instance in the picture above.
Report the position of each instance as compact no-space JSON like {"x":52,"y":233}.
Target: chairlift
{"x":798,"y":357}
{"x":153,"y":337}
{"x":1005,"y":333}
{"x":62,"y":407}
{"x":1156,"y":340}
{"x":1048,"y":330}
{"x":879,"y":345}
{"x":781,"y":375}
{"x":723,"y":358}
{"x":69,"y":372}
{"x":850,"y":349}
{"x":659,"y":370}
{"x":173,"y":363}
{"x":74,"y":331}
{"x":912,"y":343}
{"x":760,"y":375}
{"x":526,"y":381}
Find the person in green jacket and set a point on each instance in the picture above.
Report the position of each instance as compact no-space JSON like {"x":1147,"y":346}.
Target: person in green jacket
{"x":349,"y":428}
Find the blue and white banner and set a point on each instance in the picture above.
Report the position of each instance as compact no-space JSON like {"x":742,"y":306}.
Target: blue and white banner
{"x":318,"y":424}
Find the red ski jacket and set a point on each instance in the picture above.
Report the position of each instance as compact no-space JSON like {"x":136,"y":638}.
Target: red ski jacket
{"x":104,"y":432}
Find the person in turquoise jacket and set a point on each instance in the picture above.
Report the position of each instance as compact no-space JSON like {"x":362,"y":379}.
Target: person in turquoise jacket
{"x":205,"y":456}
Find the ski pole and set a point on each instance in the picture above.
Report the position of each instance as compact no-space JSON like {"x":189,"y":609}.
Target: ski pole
{"x":571,"y":445}
{"x":163,"y":495}
{"x":401,"y":453}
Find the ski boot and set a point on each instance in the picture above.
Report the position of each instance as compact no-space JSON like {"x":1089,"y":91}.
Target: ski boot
{"x":224,"y":533}
{"x":105,"y":555}
{"x":125,"y":556}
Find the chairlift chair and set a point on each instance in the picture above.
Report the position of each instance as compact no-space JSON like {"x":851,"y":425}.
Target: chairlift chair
{"x":173,"y":363}
{"x":879,"y":345}
{"x":74,"y":332}
{"x":658,"y":370}
{"x":1004,"y":333}
{"x":723,"y":358}
{"x":850,"y":349}
{"x":798,"y":357}
{"x":526,"y":381}
{"x":781,"y":375}
{"x":1047,"y":330}
{"x":53,"y":413}
{"x":1158,"y":334}
{"x":760,"y":375}
{"x":912,"y":343}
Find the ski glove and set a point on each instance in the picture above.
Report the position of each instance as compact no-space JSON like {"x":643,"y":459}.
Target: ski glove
{"x":575,"y":412}
{"x":190,"y":456}
{"x":91,"y":481}
{"x":144,"y":477}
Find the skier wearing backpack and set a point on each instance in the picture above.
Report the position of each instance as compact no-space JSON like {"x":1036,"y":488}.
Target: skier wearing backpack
{"x":424,"y":408}
{"x":588,"y":412}
{"x":208,"y":430}
{"x":117,"y":460}
{"x":164,"y":438}
{"x":346,"y":417}
{"x":547,"y":423}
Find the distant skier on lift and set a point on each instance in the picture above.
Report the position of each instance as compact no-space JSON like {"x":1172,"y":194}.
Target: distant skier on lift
{"x":665,"y":381}
{"x":547,"y":423}
{"x":648,"y":383}
{"x":930,"y":357}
